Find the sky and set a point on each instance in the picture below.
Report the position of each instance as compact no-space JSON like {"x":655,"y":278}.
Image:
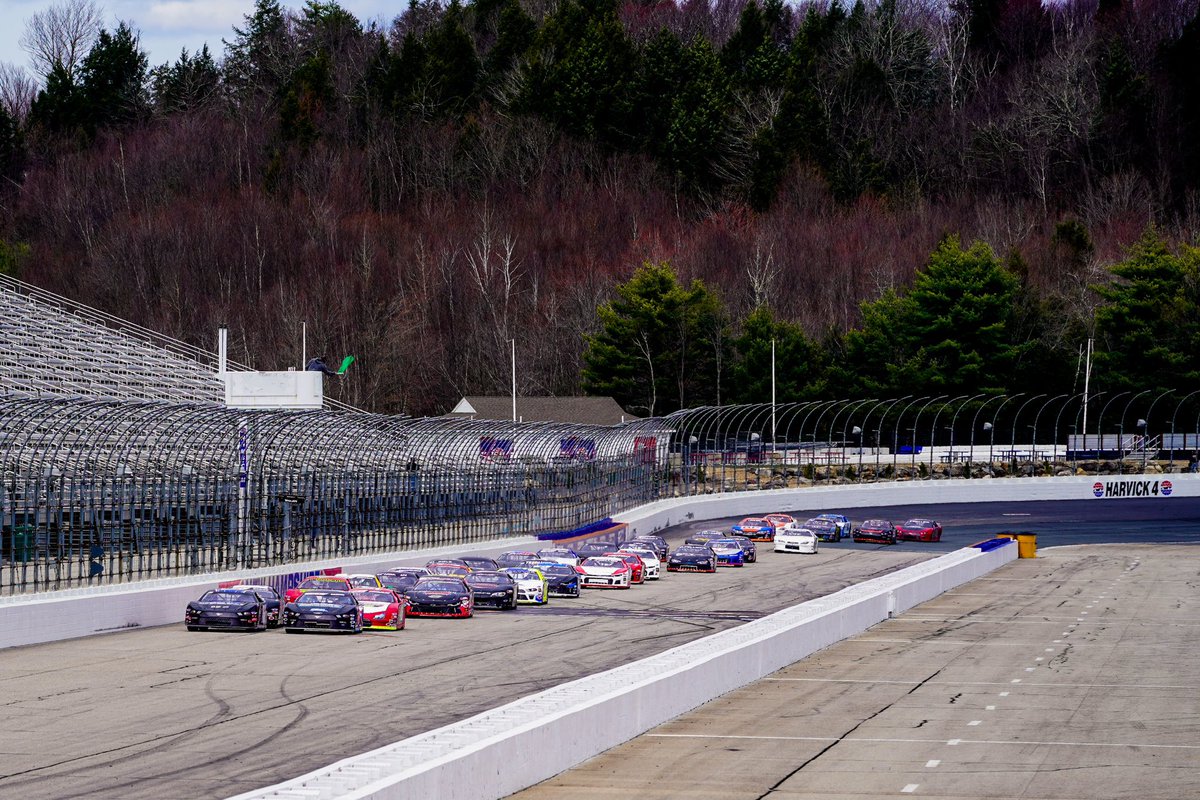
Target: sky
{"x":167,"y":26}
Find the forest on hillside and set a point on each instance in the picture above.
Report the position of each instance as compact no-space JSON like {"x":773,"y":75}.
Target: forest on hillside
{"x":952,"y":196}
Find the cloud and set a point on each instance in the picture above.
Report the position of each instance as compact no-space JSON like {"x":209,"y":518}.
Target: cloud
{"x":217,"y":16}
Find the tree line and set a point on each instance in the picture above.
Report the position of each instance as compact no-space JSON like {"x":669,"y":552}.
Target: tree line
{"x":424,"y":189}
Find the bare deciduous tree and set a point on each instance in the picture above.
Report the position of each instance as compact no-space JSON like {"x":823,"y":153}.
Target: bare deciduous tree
{"x":61,"y":35}
{"x":17,"y":90}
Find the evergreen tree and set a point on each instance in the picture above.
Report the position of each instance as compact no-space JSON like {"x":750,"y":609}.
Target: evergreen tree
{"x":190,"y":83}
{"x":61,"y":107}
{"x":259,"y":57}
{"x":114,"y":80}
{"x":797,"y":361}
{"x":12,"y":150}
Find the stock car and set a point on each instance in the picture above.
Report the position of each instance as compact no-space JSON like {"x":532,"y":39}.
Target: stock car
{"x":450,"y":568}
{"x":559,"y":555}
{"x":228,"y":609}
{"x":919,"y":530}
{"x":531,"y":585}
{"x":656,"y":543}
{"x":796,"y":539}
{"x":588,"y":549}
{"x":757,"y":528}
{"x":336,"y":583}
{"x":401,"y":579}
{"x":441,"y":596}
{"x":323,"y":610}
{"x":637,"y":567}
{"x":876,"y":530}
{"x":363,"y":581}
{"x":692,"y":558}
{"x":515,"y":558}
{"x":749,"y":548}
{"x":478,"y":563}
{"x":825,"y":529}
{"x":729,"y":553}
{"x":840,"y":521}
{"x":493,"y":589}
{"x":271,"y":600}
{"x":382,"y":609}
{"x":562,"y":580}
{"x":780,"y":521}
{"x":700,"y":537}
{"x":604,"y":572}
{"x":650,"y":562}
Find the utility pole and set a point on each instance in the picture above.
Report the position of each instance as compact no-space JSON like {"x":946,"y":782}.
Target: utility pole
{"x":513,"y":342}
{"x":1087,"y":377}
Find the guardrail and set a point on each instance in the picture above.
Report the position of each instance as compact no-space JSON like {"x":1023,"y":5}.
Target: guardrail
{"x":494,"y":754}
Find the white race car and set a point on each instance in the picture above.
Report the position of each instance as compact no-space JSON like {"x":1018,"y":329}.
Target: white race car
{"x":650,"y":571}
{"x":604,"y":572}
{"x":795,"y":539}
{"x":531,"y":585}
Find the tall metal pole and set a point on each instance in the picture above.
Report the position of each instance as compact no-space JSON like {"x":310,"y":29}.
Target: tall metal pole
{"x":773,"y":395}
{"x":1087,"y":376}
{"x":303,"y":345}
{"x":513,"y":342}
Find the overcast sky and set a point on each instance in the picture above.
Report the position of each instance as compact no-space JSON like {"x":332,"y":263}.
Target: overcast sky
{"x":167,"y":26}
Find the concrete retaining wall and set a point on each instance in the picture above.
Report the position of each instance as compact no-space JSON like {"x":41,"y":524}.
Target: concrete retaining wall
{"x":509,"y":748}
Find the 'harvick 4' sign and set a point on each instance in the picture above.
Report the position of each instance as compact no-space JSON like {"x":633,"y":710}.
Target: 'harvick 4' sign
{"x":1132,"y":488}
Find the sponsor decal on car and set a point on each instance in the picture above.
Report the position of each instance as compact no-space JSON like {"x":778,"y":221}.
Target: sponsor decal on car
{"x":1132,"y":488}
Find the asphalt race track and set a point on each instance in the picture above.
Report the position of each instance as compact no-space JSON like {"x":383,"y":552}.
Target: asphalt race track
{"x":162,"y":713}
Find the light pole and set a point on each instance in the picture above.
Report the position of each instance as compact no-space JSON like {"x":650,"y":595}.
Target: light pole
{"x":1038,"y":416}
{"x":1100,"y":420}
{"x":879,"y":429}
{"x":1017,"y":416}
{"x":851,"y":409}
{"x":987,"y":426}
{"x":917,"y":425}
{"x":996,"y":416}
{"x":866,"y":420}
{"x":1173,"y":416}
{"x":933,"y":433}
{"x":1123,"y":450}
{"x":1146,"y":432}
{"x":896,"y":432}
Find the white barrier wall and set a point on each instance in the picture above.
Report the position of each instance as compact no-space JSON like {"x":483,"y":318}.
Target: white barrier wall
{"x":1112,"y":488}
{"x":509,"y":748}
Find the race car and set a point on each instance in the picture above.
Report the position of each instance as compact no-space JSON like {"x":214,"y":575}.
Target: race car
{"x":841,"y":522}
{"x":604,"y":572}
{"x":588,"y":549}
{"x":515,"y":558}
{"x":363,"y":581}
{"x":226,"y":609}
{"x":729,"y":552}
{"x":382,"y":609}
{"x":441,"y":596}
{"x":757,"y":528}
{"x":919,"y":530}
{"x":451,"y":568}
{"x":531,"y":585}
{"x":478,"y":563}
{"x":692,"y":558}
{"x":701,"y":537}
{"x":656,"y":543}
{"x":780,"y":521}
{"x":560,"y":555}
{"x":271,"y":600}
{"x":825,"y":529}
{"x":562,"y":580}
{"x":336,"y":583}
{"x":637,"y":567}
{"x":749,"y":548}
{"x":493,"y":589}
{"x":650,"y":562}
{"x":796,"y":539}
{"x":401,"y":579}
{"x":876,"y":530}
{"x":323,"y":610}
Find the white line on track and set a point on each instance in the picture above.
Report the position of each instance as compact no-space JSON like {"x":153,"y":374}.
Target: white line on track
{"x":875,"y":740}
{"x":933,"y":762}
{"x":910,"y":788}
{"x":992,"y":683}
{"x":975,"y":722}
{"x":989,"y":708}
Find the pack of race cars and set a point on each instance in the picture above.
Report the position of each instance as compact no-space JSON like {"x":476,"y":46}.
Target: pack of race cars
{"x":456,"y":587}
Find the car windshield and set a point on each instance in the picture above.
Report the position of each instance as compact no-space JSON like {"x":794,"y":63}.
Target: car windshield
{"x":800,"y":532}
{"x":523,"y":575}
{"x":484,"y":563}
{"x":693,"y":550}
{"x":875,"y":523}
{"x":604,"y":562}
{"x":558,"y":569}
{"x":728,"y":544}
{"x":322,"y":599}
{"x":820,"y":524}
{"x":439,"y":585}
{"x":831,"y":517}
{"x":363,"y":580}
{"x":556,"y":554}
{"x":918,"y":523}
{"x":493,"y":579}
{"x":266,"y":592}
{"x":225,"y":597}
{"x":753,"y":523}
{"x":325,"y":583}
{"x":416,"y":572}
{"x":376,"y":596}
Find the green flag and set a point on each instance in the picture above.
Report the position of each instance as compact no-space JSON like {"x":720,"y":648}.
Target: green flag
{"x":346,"y":362}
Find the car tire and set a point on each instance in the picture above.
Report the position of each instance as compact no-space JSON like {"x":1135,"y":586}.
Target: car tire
{"x":291,"y":630}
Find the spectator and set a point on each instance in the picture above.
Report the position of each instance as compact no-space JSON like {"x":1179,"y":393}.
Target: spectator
{"x":1194,"y":463}
{"x":318,"y":364}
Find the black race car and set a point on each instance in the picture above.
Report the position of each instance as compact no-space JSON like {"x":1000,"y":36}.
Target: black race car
{"x":401,"y":579}
{"x":656,"y":543}
{"x":589,"y":549}
{"x":479,"y":563}
{"x":271,"y":599}
{"x":441,"y":596}
{"x":879,"y":531}
{"x":493,"y":590}
{"x":826,"y":529}
{"x":515,"y":558}
{"x":692,"y":558}
{"x":323,"y":610}
{"x":749,"y":548}
{"x":228,"y":609}
{"x":561,"y":579}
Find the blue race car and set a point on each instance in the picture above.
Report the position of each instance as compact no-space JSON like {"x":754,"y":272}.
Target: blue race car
{"x":729,"y":552}
{"x":830,"y":527}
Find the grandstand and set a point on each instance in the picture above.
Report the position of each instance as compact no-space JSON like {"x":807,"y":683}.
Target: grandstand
{"x":52,"y":346}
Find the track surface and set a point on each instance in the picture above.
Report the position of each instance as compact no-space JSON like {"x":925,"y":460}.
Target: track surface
{"x":161,"y":713}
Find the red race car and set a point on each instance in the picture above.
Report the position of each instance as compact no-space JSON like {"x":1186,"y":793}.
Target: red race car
{"x":334,"y":582}
{"x":637,"y":567}
{"x":383,"y":609}
{"x":780,"y":521}
{"x":919,"y":530}
{"x":441,"y":596}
